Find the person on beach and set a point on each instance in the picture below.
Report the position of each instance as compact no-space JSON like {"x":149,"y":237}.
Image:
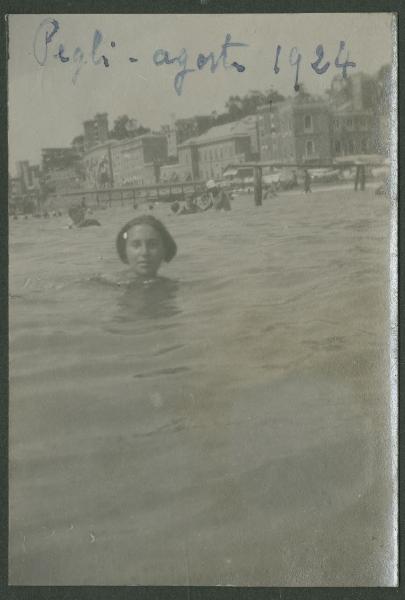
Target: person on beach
{"x":78,"y":217}
{"x":307,"y":181}
{"x":360,"y":179}
{"x":188,"y":207}
{"x":219,"y":198}
{"x":144,"y":243}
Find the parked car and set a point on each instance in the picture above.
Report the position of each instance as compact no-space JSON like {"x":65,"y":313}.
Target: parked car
{"x":272,"y":179}
{"x":348,"y":174}
{"x":324,"y":175}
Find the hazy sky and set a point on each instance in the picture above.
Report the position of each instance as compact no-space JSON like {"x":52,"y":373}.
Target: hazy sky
{"x":47,"y":109}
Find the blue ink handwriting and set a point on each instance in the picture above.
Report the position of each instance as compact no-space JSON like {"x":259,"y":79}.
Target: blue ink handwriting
{"x":46,"y":33}
{"x":295,"y":58}
{"x":163,"y":57}
{"x":43,"y":37}
{"x":49,"y":30}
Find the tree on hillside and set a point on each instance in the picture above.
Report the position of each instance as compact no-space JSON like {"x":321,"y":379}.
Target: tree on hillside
{"x":78,"y":140}
{"x":234,"y":107}
{"x":238,"y":107}
{"x":377,"y":90}
{"x":125,"y":127}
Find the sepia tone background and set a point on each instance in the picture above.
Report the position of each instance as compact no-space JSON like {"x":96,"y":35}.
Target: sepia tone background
{"x":237,"y":430}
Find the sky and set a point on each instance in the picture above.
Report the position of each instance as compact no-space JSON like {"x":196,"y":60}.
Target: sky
{"x":47,"y":104}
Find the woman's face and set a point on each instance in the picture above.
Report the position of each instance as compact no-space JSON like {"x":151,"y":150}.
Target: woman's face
{"x":145,"y":250}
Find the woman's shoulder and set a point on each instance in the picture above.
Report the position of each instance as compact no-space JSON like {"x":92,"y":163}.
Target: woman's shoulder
{"x":126,"y":279}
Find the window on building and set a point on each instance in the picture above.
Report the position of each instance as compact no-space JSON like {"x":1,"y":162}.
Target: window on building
{"x":338,"y":148}
{"x":349,"y":123}
{"x":309,"y":147}
{"x":308,"y":123}
{"x":364,"y":145}
{"x":350,"y":146}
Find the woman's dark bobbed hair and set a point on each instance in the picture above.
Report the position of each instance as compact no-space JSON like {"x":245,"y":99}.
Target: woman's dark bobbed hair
{"x":168,"y":242}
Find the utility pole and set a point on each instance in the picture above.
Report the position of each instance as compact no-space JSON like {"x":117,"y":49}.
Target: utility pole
{"x":258,"y":190}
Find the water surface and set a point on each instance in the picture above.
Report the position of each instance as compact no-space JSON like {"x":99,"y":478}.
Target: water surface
{"x":226,"y":427}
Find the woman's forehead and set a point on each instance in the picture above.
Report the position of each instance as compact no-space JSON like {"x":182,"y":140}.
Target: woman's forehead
{"x":142,"y":230}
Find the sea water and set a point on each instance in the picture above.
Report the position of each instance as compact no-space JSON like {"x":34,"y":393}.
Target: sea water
{"x":228,"y":428}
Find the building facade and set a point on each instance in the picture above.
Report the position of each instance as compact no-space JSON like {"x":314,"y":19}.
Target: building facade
{"x":186,"y":168}
{"x":28,"y":175}
{"x":97,"y":164}
{"x":95,"y":131}
{"x":169,"y":131}
{"x":357,"y":128}
{"x":127,"y":162}
{"x":296,"y":130}
{"x":250,"y":125}
{"x":137,"y":161}
{"x":209,"y":154}
{"x":15,"y":187}
{"x":353,"y":132}
{"x":62,"y":169}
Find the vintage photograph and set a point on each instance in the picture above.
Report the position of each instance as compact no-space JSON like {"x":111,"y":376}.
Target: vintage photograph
{"x":202,"y":299}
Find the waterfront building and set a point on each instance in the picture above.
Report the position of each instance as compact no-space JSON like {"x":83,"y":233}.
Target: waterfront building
{"x":169,"y":131}
{"x":28,"y":175}
{"x":131,"y":161}
{"x":15,"y":187}
{"x":295,"y":130}
{"x":137,"y":161}
{"x":95,"y":131}
{"x":210,"y":153}
{"x":97,"y":166}
{"x":185,"y":168}
{"x":61,"y":169}
{"x":353,"y":131}
{"x":358,"y":124}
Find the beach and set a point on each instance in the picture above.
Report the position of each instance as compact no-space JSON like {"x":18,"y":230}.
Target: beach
{"x":235,"y":431}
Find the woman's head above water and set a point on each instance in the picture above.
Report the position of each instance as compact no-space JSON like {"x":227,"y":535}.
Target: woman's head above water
{"x":143,"y":243}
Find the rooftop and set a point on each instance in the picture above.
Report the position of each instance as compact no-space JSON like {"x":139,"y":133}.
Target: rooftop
{"x":221,"y":132}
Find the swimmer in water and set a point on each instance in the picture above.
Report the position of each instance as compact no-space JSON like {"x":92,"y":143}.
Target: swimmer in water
{"x":144,"y":243}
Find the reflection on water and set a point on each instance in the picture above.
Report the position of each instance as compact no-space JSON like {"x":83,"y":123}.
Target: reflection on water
{"x":228,"y":429}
